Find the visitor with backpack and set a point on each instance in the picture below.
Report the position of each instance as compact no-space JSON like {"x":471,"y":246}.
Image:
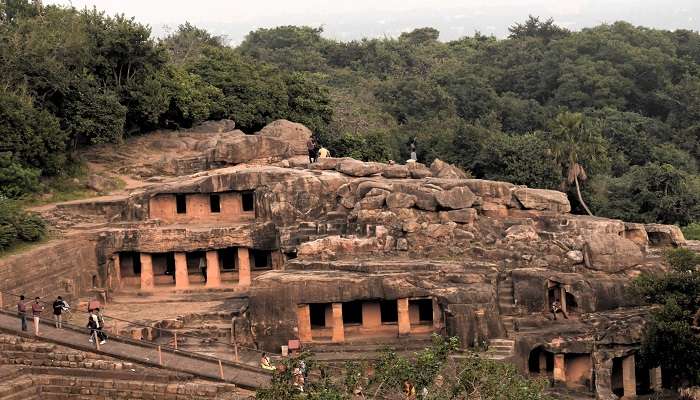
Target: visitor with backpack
{"x":59,"y":306}
{"x":311,"y":146}
{"x":95,"y":324}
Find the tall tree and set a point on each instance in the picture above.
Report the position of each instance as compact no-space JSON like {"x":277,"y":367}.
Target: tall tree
{"x":575,"y":142}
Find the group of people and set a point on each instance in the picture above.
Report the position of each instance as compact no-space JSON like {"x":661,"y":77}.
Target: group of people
{"x":60,"y":307}
{"x":299,"y":373}
{"x":315,"y":152}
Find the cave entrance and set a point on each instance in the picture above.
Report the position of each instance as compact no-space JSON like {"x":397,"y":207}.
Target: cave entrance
{"x":570,"y":304}
{"x":420,"y":311}
{"x":321,"y":315}
{"x":389,"y":311}
{"x":616,"y":382}
{"x":352,"y":313}
{"x":579,"y":370}
{"x":129,"y":264}
{"x":540,"y":362}
{"x":643,"y":377}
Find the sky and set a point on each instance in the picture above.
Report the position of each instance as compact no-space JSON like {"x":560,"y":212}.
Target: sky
{"x":348,"y":20}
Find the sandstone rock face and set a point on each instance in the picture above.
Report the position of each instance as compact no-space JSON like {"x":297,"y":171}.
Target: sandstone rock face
{"x":400,"y":200}
{"x":456,"y":198}
{"x":418,"y":170}
{"x":611,"y":253}
{"x":327,"y":163}
{"x":291,"y":132}
{"x":463,"y":216}
{"x":332,"y":246}
{"x":665,"y":234}
{"x":522,"y":233}
{"x":441,"y":169}
{"x":542,"y":199}
{"x":396,"y":171}
{"x":220,"y":126}
{"x":358,"y":168}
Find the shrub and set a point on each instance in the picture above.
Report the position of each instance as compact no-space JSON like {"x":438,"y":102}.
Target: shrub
{"x":692,"y":231}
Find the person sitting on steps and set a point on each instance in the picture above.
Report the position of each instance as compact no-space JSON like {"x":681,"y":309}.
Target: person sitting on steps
{"x":556,"y":307}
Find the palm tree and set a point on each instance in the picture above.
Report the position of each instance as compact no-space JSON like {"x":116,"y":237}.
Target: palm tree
{"x":574,"y":142}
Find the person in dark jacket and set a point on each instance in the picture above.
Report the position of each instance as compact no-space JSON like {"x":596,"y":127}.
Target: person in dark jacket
{"x":22,"y":312}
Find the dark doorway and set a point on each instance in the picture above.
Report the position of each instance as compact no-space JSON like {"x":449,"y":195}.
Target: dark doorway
{"x":318,"y":315}
{"x":571,"y":304}
{"x":248,"y":200}
{"x":389,"y":310}
{"x":181,"y":203}
{"x":352,"y":313}
{"x":227,"y":259}
{"x":215,"y":203}
{"x":130,"y":263}
{"x":643,"y":378}
{"x":262,"y":259}
{"x":616,"y":382}
{"x":425,"y":310}
{"x":533,"y":361}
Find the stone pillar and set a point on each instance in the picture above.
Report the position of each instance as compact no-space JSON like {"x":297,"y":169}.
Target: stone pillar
{"x":629,"y":380}
{"x":213,"y":269}
{"x":559,"y":368}
{"x":404,"y":317}
{"x":543,"y":363}
{"x":338,"y":329}
{"x":562,"y":300}
{"x":437,"y":316}
{"x":371,"y":315}
{"x":304,"y":322}
{"x":655,"y":379}
{"x":243,"y":265}
{"x":146,"y":271}
{"x":117,"y":271}
{"x":182,"y":279}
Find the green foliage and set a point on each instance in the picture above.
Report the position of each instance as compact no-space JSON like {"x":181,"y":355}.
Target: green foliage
{"x":16,"y":180}
{"x":523,"y":160}
{"x":652,"y":193}
{"x":692,"y":231}
{"x":671,"y":338}
{"x":17,"y":225}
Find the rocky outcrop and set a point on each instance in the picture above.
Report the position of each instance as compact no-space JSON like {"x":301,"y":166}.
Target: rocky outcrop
{"x":441,"y":169}
{"x":611,"y":253}
{"x":544,"y":200}
{"x":456,"y":198}
{"x":358,"y":168}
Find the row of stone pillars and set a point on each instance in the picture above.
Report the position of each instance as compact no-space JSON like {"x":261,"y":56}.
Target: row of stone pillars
{"x":182,"y":280}
{"x":629,"y":379}
{"x":338,"y":328}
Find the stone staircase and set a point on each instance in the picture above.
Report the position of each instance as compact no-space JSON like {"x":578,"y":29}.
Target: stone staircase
{"x":16,"y":385}
{"x":506,"y":304}
{"x":499,"y":349}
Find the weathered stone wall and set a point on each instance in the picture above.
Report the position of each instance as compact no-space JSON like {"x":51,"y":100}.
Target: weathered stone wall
{"x":198,"y":208}
{"x":58,"y":268}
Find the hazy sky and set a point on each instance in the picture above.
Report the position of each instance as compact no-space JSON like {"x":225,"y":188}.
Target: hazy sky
{"x":354,"y":19}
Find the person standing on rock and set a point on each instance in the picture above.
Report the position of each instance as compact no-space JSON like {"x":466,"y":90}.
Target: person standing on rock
{"x":203,"y":267}
{"x":324,"y":153}
{"x":414,"y":156}
{"x":311,"y":146}
{"x":37,"y":309}
{"x":58,"y":307}
{"x":22,"y":312}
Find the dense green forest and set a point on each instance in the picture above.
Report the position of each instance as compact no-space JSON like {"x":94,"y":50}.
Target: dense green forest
{"x":612,"y":110}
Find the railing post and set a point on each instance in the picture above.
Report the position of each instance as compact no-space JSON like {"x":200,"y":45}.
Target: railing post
{"x":235,"y":349}
{"x":96,"y":339}
{"x":221,"y":370}
{"x":175,"y":339}
{"x":160,"y":357}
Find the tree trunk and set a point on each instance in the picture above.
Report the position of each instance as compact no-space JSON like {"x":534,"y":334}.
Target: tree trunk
{"x":580,"y":198}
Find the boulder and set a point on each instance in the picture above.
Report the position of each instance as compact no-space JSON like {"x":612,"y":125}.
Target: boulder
{"x":611,"y":253}
{"x":291,"y":132}
{"x":665,"y":235}
{"x":396,"y":172}
{"x":491,"y":191}
{"x":352,"y":167}
{"x":543,"y":199}
{"x":441,"y":169}
{"x":365,"y":187}
{"x":220,"y":126}
{"x":328,"y":163}
{"x":334,"y":245}
{"x":463,"y":216}
{"x":372,"y":202}
{"x":418,"y":170}
{"x":456,"y":198}
{"x":575,"y":256}
{"x":400,"y":200}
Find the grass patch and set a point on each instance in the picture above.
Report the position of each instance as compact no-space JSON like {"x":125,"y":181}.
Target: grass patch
{"x":20,"y":247}
{"x":692,"y":231}
{"x":66,"y":187}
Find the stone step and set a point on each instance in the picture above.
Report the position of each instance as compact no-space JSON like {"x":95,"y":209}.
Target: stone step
{"x":509,"y":342}
{"x":19,"y":387}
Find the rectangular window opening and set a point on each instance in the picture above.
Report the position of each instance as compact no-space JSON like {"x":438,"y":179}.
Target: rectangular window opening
{"x":227,"y":259}
{"x":318,"y":315}
{"x":181,"y":203}
{"x":215,"y":203}
{"x":352,"y":313}
{"x":248,"y":200}
{"x":262,"y":259}
{"x":390,"y":311}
